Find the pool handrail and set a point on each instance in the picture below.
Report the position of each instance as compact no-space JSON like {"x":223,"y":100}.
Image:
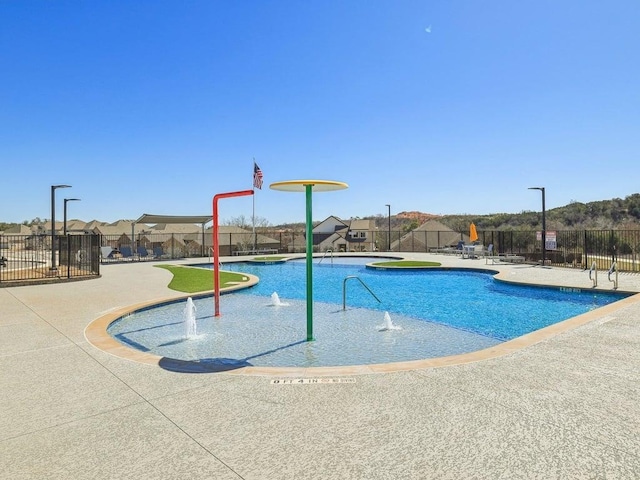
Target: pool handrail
{"x":594,"y":268}
{"x":344,"y":290}
{"x":325,"y":254}
{"x":612,"y":269}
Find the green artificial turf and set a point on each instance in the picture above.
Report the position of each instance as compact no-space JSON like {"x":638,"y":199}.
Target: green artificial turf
{"x":406,"y":263}
{"x":191,"y":280}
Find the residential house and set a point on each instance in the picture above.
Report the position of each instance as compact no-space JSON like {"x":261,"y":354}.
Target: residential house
{"x":355,"y":235}
{"x":17,"y":236}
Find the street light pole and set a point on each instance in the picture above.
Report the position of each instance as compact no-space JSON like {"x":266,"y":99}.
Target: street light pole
{"x":53,"y":266}
{"x":544,"y":225}
{"x":389,"y":216}
{"x":64,"y":223}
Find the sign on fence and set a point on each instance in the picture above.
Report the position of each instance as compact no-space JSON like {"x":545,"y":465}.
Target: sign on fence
{"x":551,"y":242}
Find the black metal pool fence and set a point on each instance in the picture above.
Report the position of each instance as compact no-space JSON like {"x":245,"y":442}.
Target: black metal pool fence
{"x":28,"y":258}
{"x":566,"y":248}
{"x":24,"y":258}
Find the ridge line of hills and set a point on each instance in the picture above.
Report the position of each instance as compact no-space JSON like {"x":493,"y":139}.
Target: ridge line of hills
{"x":617,"y":213}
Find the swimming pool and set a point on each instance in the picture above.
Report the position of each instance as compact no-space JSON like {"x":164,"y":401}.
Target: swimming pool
{"x":468,"y":299}
{"x":438,"y":312}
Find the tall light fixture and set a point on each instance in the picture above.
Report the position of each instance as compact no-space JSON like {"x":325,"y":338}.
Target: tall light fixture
{"x":64,"y":223}
{"x":389,"y":217}
{"x":53,"y":224}
{"x":544,"y":225}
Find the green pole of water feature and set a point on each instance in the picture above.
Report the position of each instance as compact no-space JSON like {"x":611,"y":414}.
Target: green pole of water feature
{"x":309,"y":189}
{"x":308,"y":186}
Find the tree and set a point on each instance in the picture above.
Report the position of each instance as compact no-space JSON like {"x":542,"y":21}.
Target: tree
{"x":5,"y":226}
{"x":408,"y":227}
{"x":246,"y":223}
{"x":633,"y":205}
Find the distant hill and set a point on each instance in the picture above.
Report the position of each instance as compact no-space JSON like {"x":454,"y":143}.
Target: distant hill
{"x":616,"y":213}
{"x":419,"y":216}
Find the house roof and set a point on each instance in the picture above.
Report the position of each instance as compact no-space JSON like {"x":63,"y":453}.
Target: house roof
{"x":361,"y":224}
{"x":233,"y":234}
{"x":112,"y":230}
{"x":334,"y":222}
{"x":18,"y":230}
{"x":437,"y":232}
{"x":77,"y":225}
{"x":434,"y":226}
{"x":151,"y":218}
{"x":176,"y":228}
{"x":163,"y":237}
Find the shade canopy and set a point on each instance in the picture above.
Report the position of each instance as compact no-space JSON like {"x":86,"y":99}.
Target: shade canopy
{"x":301,"y":185}
{"x":150,"y":218}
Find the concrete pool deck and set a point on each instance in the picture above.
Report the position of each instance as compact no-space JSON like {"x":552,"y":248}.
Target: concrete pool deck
{"x":565,"y":406}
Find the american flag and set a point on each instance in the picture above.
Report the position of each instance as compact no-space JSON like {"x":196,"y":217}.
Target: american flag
{"x":257,"y":176}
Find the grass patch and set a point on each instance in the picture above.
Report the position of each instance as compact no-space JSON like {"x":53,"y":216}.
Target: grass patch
{"x":406,"y":263}
{"x":191,"y":280}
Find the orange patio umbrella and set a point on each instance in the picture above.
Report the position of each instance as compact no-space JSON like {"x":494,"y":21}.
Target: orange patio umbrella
{"x":473,"y":234}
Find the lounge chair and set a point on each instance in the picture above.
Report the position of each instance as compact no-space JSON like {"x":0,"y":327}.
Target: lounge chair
{"x":157,"y":252}
{"x":126,"y":253}
{"x":143,"y":254}
{"x":494,"y":257}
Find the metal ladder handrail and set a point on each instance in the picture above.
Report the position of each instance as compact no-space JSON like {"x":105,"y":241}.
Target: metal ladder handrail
{"x":594,"y":268}
{"x":614,"y":268}
{"x":344,"y":290}
{"x":325,"y":254}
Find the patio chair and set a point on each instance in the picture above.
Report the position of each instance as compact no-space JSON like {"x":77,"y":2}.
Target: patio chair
{"x":479,"y":251}
{"x":491,"y":255}
{"x":157,"y":252}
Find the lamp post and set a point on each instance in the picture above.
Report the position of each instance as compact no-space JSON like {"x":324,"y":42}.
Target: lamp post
{"x":544,"y":225}
{"x":389,"y":217}
{"x":64,"y":223}
{"x":53,"y":266}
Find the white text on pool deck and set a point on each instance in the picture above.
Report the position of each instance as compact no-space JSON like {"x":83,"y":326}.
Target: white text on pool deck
{"x":310,"y":381}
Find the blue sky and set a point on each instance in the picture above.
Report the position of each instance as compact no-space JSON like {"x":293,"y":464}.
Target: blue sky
{"x":156,"y":106}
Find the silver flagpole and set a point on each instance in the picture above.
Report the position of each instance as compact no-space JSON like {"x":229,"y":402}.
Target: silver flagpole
{"x":253,"y":215}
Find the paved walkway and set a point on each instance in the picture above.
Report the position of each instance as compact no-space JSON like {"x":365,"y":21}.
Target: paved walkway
{"x":565,"y":407}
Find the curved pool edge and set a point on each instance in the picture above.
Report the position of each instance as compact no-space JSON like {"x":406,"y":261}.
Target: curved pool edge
{"x":96,"y":334}
{"x":96,"y":331}
{"x":503,"y":277}
{"x":423,"y":268}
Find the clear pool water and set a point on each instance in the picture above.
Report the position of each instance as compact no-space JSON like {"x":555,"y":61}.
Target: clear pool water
{"x":438,"y":312}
